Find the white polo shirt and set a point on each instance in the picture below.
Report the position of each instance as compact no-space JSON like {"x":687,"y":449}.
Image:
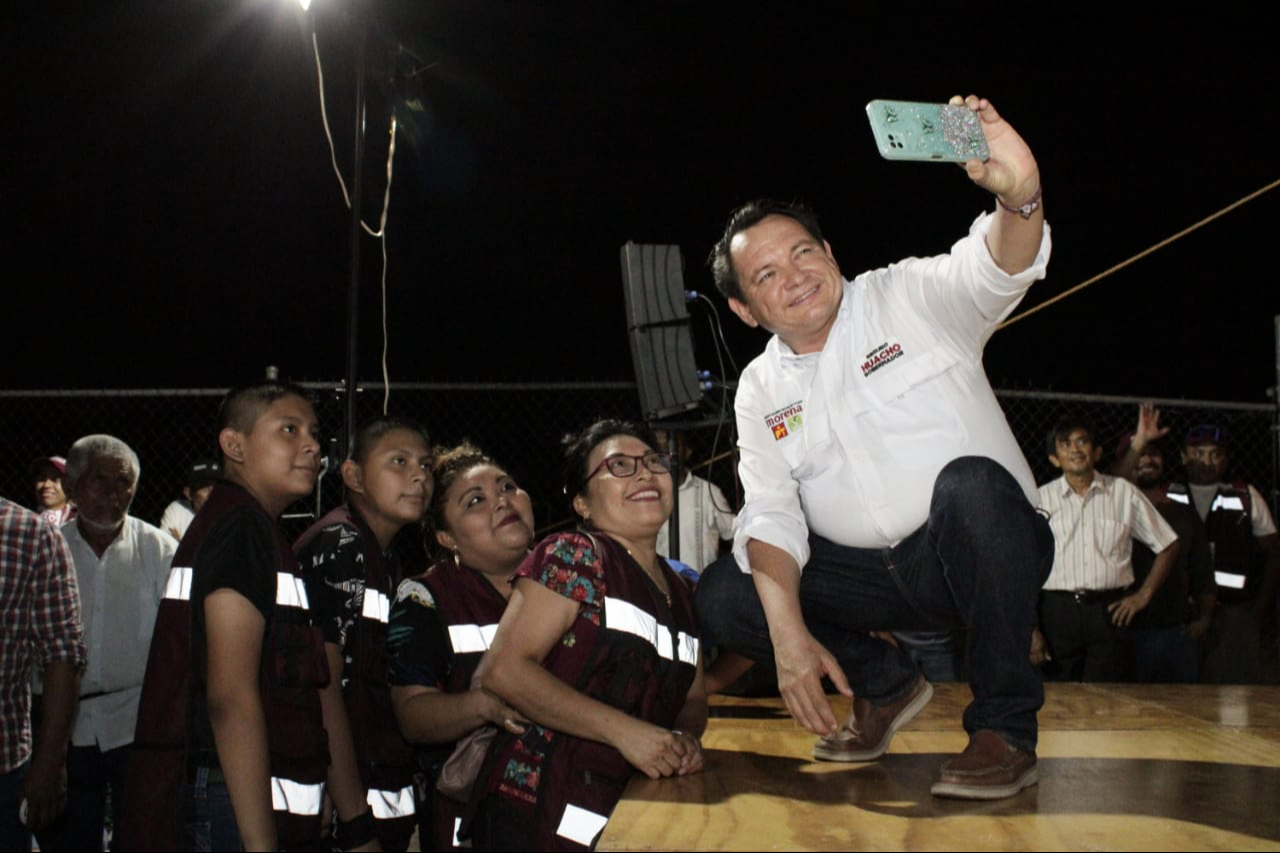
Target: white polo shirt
{"x":705,"y":518}
{"x":848,"y":442}
{"x":120,"y":593}
{"x":1093,"y":533}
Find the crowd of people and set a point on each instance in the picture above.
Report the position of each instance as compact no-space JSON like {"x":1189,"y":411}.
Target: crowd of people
{"x":235,"y":689}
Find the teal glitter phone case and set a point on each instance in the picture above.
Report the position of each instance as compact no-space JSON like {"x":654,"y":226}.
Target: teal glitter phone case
{"x":905,"y":130}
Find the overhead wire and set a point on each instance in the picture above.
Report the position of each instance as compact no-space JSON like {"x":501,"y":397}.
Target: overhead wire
{"x":1165,"y":242}
{"x":381,"y":233}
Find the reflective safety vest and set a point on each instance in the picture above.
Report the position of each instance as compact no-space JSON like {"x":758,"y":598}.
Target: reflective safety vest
{"x":293,"y":670}
{"x":1229,"y":528}
{"x":470,"y":609}
{"x":383,"y":756}
{"x":643,"y":661}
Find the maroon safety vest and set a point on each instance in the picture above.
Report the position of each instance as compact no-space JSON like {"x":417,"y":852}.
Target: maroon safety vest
{"x":470,"y":609}
{"x":292,"y":672}
{"x":384,"y":757}
{"x":643,"y":662}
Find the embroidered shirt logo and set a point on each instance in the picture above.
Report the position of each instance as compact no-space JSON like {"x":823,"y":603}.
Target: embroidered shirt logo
{"x":786,"y":420}
{"x":880,"y":356}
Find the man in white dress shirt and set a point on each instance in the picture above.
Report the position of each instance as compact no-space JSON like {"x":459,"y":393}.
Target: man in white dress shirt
{"x":884,"y":488}
{"x":122,"y":564}
{"x":706,"y":517}
{"x":1086,"y":604}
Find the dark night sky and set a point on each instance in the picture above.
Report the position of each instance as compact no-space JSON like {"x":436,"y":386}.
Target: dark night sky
{"x":175,"y":220}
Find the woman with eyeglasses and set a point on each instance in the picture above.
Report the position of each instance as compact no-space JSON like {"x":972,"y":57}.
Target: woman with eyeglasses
{"x":598,"y":649}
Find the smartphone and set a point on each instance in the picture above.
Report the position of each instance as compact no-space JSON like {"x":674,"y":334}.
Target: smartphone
{"x":905,"y":130}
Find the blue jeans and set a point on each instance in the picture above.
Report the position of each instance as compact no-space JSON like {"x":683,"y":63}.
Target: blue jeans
{"x":979,"y":561}
{"x":13,"y":835}
{"x":210,"y":821}
{"x":934,"y":652}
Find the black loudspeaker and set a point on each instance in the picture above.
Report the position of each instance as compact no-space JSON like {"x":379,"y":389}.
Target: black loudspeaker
{"x":658,"y":326}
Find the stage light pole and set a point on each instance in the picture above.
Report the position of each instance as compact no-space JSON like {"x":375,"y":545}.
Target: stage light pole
{"x":357,"y":193}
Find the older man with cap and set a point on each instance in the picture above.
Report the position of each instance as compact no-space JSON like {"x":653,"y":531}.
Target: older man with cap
{"x":121,"y":565}
{"x":201,"y":477}
{"x":51,"y":504}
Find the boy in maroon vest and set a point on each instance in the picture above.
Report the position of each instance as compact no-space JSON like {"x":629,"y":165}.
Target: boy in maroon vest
{"x":233,"y":749}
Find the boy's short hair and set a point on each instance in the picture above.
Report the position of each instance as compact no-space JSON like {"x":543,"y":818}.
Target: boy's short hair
{"x":1065,"y":426}
{"x":242,"y":406}
{"x":368,"y":436}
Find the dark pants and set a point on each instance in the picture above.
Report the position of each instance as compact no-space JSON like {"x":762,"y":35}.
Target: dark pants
{"x":13,"y":835}
{"x":1164,"y":656}
{"x":978,"y":562}
{"x":210,"y":822}
{"x":1232,"y":648}
{"x":90,"y":772}
{"x":1084,"y":644}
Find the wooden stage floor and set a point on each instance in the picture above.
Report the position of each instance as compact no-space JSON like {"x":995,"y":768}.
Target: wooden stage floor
{"x":1122,"y":767}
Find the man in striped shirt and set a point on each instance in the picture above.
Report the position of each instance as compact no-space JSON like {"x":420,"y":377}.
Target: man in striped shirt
{"x":1086,"y":605}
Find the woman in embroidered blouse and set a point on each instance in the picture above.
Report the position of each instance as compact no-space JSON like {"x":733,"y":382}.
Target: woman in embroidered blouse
{"x":598,"y":649}
{"x":482,"y":524}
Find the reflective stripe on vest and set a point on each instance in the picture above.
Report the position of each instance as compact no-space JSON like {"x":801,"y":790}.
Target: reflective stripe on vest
{"x":391,"y":804}
{"x":1227,"y":502}
{"x":1229,"y":579}
{"x":291,"y":591}
{"x":624,"y":616}
{"x":457,"y":842}
{"x":580,"y":825}
{"x":1179,"y":497}
{"x":178,"y":586}
{"x":296,"y":797}
{"x":471,"y":638}
{"x":377,"y":607}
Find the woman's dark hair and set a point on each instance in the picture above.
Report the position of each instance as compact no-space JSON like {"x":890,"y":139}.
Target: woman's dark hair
{"x":578,"y":447}
{"x":449,"y":464}
{"x":368,"y":436}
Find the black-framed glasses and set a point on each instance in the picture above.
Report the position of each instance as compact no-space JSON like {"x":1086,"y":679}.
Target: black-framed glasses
{"x":624,"y":465}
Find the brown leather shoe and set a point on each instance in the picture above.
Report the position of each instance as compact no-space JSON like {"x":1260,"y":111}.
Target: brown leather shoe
{"x":988,"y":769}
{"x":866,"y":734}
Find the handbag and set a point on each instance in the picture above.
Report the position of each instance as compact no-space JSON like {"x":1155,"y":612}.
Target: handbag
{"x":459,"y":773}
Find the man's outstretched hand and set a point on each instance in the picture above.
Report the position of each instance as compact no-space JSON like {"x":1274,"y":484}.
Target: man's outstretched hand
{"x":802,"y":662}
{"x":1011,"y":171}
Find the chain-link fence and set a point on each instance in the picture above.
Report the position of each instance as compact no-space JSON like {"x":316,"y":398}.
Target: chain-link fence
{"x":521,"y":424}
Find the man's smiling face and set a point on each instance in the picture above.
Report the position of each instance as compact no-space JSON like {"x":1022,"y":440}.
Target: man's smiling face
{"x":790,"y":282}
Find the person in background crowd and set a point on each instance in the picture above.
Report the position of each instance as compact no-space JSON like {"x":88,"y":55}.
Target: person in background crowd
{"x":1087,"y":606}
{"x":1242,"y":540}
{"x":706,"y":517}
{"x":1165,"y":636}
{"x":598,"y":649}
{"x":51,"y":498}
{"x":201,"y":476}
{"x":481,"y":526}
{"x":231,"y":699}
{"x":121,"y":564}
{"x":40,"y":630}
{"x":352,"y":572}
